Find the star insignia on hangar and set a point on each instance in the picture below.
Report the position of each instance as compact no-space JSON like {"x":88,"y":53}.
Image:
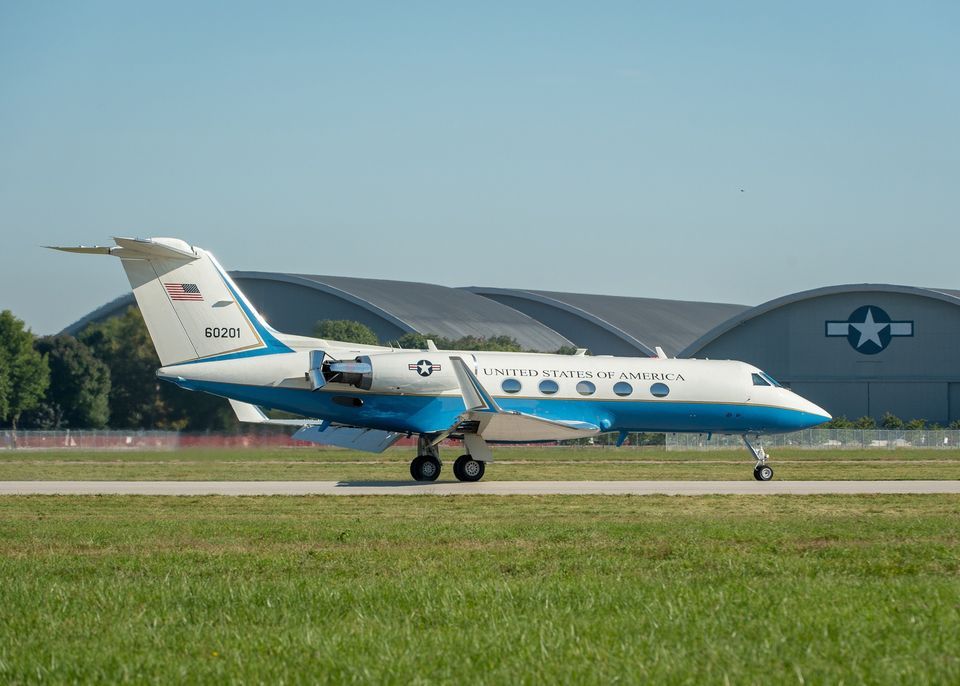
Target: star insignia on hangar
{"x":869,"y":329}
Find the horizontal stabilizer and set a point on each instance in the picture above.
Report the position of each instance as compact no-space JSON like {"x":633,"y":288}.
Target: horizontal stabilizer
{"x":367,"y":440}
{"x":137,"y":248}
{"x":83,"y":249}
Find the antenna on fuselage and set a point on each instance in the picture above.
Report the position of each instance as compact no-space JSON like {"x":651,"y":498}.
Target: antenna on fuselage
{"x":660,"y":354}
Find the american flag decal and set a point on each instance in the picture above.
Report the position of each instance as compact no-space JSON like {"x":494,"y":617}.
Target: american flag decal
{"x":183,"y":291}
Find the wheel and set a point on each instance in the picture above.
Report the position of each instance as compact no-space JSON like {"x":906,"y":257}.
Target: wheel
{"x":468,"y":469}
{"x":425,"y":468}
{"x":763,"y":473}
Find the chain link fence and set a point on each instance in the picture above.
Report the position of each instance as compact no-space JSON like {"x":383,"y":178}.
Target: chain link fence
{"x":259,"y":437}
{"x":272,"y":437}
{"x":826,"y":439}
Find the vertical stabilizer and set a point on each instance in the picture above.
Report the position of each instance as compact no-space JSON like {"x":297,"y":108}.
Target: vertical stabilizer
{"x":192,"y":308}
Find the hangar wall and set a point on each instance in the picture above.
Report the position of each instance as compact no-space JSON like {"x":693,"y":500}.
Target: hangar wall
{"x":854,"y":350}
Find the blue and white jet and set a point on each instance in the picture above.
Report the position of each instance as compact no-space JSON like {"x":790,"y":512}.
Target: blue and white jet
{"x":210,"y":338}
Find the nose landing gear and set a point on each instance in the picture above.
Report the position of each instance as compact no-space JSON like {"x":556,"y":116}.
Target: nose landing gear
{"x":763,"y":471}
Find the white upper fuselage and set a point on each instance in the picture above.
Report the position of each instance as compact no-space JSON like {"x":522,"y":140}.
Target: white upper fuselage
{"x":614,"y":393}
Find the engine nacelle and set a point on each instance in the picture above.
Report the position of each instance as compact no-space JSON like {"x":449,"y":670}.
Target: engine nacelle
{"x":424,"y":371}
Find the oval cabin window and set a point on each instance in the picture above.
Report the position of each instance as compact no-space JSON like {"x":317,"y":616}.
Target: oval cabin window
{"x":622,"y":388}
{"x":510,"y":386}
{"x":660,"y":390}
{"x":586,"y":388}
{"x":549,"y":387}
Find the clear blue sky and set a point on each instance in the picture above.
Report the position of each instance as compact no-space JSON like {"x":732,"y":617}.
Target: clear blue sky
{"x":595,"y":147}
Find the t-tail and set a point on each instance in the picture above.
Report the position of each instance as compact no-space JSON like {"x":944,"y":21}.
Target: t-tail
{"x":193,"y":309}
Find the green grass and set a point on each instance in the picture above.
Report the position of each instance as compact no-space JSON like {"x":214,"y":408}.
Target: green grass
{"x":513,"y":464}
{"x":824,"y":589}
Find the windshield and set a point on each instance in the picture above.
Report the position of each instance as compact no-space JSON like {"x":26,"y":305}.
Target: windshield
{"x":773,"y":382}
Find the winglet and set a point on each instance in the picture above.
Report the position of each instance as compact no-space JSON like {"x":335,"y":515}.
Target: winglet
{"x":247,"y":413}
{"x":475,"y":396}
{"x":251,"y":414}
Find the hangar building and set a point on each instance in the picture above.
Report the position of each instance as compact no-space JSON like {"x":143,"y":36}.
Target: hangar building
{"x":856,"y":350}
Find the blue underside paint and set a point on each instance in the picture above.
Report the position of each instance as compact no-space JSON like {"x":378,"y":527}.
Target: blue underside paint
{"x":427,"y":414}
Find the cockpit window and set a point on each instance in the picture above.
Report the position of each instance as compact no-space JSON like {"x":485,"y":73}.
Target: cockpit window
{"x":773,"y":382}
{"x":758,"y":380}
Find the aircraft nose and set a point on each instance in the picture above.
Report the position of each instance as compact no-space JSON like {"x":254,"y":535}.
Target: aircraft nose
{"x":814,"y":413}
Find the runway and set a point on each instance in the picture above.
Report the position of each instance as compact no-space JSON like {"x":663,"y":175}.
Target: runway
{"x":503,"y":488}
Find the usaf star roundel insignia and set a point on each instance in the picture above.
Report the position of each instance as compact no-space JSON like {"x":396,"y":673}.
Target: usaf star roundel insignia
{"x":869,"y":329}
{"x":424,"y":367}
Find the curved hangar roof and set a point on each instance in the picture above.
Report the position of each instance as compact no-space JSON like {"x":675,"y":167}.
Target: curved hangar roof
{"x":617,"y":325}
{"x":294,"y":302}
{"x":538,"y":320}
{"x":390,"y":308}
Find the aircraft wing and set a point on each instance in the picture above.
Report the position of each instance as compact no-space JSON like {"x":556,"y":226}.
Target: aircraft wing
{"x":520,"y":427}
{"x":496,"y":424}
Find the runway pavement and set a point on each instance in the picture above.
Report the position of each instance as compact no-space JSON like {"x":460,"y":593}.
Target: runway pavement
{"x":194,"y":488}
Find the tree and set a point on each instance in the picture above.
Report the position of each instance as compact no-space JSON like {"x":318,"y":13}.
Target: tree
{"x":24,"y":371}
{"x":418,"y":341}
{"x":137,"y":398}
{"x":79,"y":391}
{"x":345,"y":330}
{"x":566,"y":350}
{"x":865,"y":423}
{"x":891,"y":421}
{"x":840,"y":422}
{"x":124,"y":345}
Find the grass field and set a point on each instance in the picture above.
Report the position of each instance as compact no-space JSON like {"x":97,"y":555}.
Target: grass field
{"x":513,"y":464}
{"x":815,"y":589}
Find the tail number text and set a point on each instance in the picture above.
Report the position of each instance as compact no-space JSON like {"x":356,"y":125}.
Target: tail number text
{"x":222,"y":332}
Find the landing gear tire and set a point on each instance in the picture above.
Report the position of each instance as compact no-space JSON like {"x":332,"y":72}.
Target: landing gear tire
{"x":425,"y":468}
{"x":763,"y":473}
{"x":468,"y":469}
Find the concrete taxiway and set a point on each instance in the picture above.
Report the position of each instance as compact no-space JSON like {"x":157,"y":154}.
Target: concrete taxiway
{"x":194,"y":488}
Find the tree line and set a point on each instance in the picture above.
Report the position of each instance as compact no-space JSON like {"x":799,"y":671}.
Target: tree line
{"x":887,"y":421}
{"x":356,"y":332}
{"x":104,"y":376}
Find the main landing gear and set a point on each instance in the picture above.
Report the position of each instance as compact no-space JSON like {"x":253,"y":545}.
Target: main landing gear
{"x":426,"y":466}
{"x":468,"y":469}
{"x":763,"y":471}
